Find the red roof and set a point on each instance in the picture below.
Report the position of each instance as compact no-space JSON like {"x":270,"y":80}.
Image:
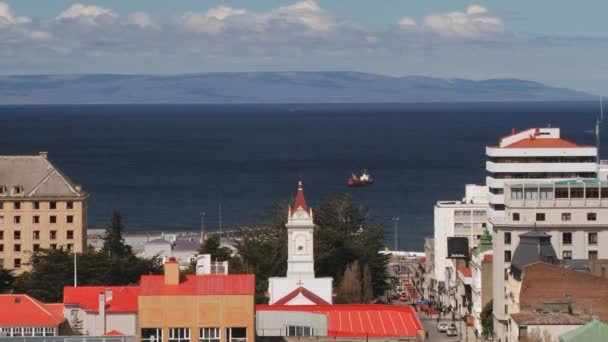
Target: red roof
{"x":23,"y":310}
{"x":543,"y":143}
{"x":466,"y":272}
{"x":211,"y":284}
{"x":124,"y":298}
{"x":360,"y":320}
{"x":113,"y":333}
{"x":300,"y":200}
{"x":306,"y":293}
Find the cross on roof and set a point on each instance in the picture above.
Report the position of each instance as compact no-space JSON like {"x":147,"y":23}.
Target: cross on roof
{"x":300,"y":283}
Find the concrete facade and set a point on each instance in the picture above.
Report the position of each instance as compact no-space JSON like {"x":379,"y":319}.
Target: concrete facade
{"x":40,"y":208}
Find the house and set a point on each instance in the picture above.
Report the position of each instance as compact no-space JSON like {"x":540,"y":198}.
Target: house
{"x":22,"y":315}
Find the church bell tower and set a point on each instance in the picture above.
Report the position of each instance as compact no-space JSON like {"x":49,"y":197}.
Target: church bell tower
{"x":300,"y":234}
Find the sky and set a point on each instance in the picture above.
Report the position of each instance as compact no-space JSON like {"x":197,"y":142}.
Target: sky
{"x":557,"y":42}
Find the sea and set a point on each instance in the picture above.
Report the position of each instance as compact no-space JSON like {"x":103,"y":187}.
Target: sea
{"x":164,"y":165}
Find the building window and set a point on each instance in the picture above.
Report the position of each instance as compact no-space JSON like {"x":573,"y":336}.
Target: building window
{"x":507,"y":256}
{"x":591,"y":217}
{"x":17,"y":190}
{"x":38,"y":331}
{"x":540,"y":216}
{"x":36,"y":234}
{"x":298,"y":331}
{"x":53,"y":246}
{"x":17,"y":331}
{"x":515,"y":216}
{"x":1,"y":219}
{"x":53,"y":234}
{"x":2,"y":190}
{"x":69,"y":205}
{"x":1,"y":248}
{"x":516,"y":194}
{"x":53,"y":205}
{"x":70,"y":219}
{"x":566,"y":216}
{"x":1,"y":234}
{"x":179,"y":335}
{"x":567,"y":255}
{"x":592,"y":238}
{"x":17,"y":263}
{"x":17,"y":235}
{"x":592,"y":193}
{"x":546,"y":193}
{"x":236,"y":334}
{"x":507,"y":238}
{"x":17,"y":219}
{"x":152,"y":335}
{"x":70,"y":247}
{"x":592,"y":255}
{"x":36,"y":219}
{"x":53,"y":219}
{"x":36,"y":205}
{"x":17,"y":247}
{"x":209,"y":335}
{"x":70,"y":234}
{"x":561,"y":193}
{"x":36,"y":247}
{"x":577,"y":193}
{"x":2,"y":205}
{"x":17,"y":205}
{"x":567,"y":238}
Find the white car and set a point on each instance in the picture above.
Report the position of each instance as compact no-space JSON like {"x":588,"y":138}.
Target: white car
{"x":442,"y":327}
{"x":451,"y":332}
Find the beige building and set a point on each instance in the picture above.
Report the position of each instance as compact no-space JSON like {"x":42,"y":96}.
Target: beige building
{"x":206,"y":308}
{"x":40,"y":208}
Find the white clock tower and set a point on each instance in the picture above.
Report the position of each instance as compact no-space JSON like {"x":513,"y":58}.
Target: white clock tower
{"x":300,"y":230}
{"x":300,"y":286}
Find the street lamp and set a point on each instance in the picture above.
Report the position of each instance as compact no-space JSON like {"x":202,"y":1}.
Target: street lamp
{"x":202,"y":226}
{"x":396,"y":219}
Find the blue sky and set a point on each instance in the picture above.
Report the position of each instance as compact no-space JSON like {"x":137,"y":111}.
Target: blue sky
{"x":563,"y":43}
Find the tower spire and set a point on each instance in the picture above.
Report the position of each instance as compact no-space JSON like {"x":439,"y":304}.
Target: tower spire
{"x":300,"y":202}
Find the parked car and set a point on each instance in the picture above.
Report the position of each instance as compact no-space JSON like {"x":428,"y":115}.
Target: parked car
{"x":442,"y":326}
{"x":403,"y":299}
{"x":451,"y":332}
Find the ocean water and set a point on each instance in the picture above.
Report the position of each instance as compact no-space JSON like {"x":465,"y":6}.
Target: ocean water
{"x":163,"y":165}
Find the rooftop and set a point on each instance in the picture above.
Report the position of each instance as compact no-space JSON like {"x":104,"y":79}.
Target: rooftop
{"x":550,"y":318}
{"x":23,"y":310}
{"x":124,"y":298}
{"x":360,"y":320}
{"x":301,"y":291}
{"x":35,"y":176}
{"x":211,"y":284}
{"x":590,"y":332}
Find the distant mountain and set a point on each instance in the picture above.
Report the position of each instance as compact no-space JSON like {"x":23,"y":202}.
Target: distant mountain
{"x":269,"y":87}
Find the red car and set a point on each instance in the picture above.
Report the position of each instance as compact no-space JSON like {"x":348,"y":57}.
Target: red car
{"x":403,"y":298}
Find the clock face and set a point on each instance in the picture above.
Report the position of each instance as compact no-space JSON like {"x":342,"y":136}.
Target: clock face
{"x":300,"y":214}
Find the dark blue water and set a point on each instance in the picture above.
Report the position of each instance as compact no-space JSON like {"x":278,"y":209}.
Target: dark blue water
{"x":160,"y":165}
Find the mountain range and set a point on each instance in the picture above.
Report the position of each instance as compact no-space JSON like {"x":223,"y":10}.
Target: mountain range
{"x":270,"y":87}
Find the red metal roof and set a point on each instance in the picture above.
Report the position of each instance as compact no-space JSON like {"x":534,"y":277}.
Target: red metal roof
{"x":23,"y":310}
{"x":466,"y":272}
{"x":306,"y":293}
{"x":300,"y":201}
{"x":124,"y":298}
{"x":113,"y":333}
{"x":361,"y":320}
{"x":211,"y":284}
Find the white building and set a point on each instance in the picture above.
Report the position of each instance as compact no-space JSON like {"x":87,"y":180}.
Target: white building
{"x":466,"y":218}
{"x":533,"y":154}
{"x":300,"y":286}
{"x":573,"y":214}
{"x":481,"y":274}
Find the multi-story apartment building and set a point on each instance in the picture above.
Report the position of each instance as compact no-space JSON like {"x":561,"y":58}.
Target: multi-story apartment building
{"x":481,"y":282}
{"x":40,"y":208}
{"x":465,"y":218}
{"x":573,"y":214}
{"x":533,"y":154}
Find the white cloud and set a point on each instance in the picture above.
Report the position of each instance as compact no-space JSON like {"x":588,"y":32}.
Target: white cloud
{"x":143,"y":20}
{"x":407,"y":22}
{"x":476,"y":21}
{"x":307,"y":13}
{"x":87,"y":14}
{"x":7,"y":17}
{"x":211,"y":21}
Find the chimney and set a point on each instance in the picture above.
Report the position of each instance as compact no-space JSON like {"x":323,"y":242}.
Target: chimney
{"x":171,"y":272}
{"x":44,"y":155}
{"x":102,"y":313}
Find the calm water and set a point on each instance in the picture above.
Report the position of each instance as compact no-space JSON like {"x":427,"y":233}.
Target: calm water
{"x":160,"y":165}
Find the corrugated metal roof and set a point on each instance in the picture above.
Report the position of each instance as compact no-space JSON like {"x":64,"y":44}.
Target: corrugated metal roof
{"x":124,"y":298}
{"x":361,"y":320}
{"x":22,"y":310}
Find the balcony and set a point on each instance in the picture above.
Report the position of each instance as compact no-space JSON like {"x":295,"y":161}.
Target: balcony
{"x":540,"y":167}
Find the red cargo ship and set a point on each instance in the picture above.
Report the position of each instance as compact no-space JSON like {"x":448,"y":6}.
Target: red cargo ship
{"x":365,"y":179}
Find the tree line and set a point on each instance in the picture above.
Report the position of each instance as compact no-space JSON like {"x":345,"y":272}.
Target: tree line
{"x":346,"y":249}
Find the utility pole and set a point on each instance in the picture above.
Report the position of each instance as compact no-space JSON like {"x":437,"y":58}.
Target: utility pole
{"x":396,"y":219}
{"x":75,"y":268}
{"x":202,"y":226}
{"x":220,"y":212}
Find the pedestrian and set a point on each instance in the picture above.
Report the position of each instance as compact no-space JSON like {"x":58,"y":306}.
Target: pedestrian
{"x":427,"y":335}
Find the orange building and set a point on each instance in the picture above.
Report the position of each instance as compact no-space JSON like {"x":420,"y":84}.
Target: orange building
{"x":196,"y":308}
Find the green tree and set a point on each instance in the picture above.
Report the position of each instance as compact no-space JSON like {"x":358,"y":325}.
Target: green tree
{"x":76,"y":326}
{"x":113,"y":243}
{"x":487,"y":323}
{"x":212,"y":246}
{"x":6,"y":280}
{"x":368,"y":291}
